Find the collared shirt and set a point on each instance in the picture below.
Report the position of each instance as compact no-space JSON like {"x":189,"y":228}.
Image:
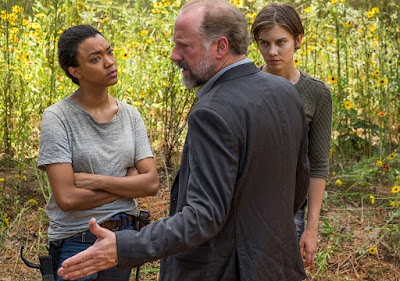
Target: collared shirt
{"x":206,"y":87}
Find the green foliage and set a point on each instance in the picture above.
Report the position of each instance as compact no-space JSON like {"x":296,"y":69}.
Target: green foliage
{"x":353,"y":46}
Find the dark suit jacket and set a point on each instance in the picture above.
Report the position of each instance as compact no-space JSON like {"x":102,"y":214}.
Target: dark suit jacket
{"x":243,"y":175}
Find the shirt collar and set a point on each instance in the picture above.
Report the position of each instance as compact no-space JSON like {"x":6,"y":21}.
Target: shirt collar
{"x":207,"y":86}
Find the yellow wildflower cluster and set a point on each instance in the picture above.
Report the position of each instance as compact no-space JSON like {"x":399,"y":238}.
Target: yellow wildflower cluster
{"x":159,"y":5}
{"x":372,"y":12}
{"x":338,"y":182}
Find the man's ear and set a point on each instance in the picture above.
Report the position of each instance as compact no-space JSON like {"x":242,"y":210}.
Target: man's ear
{"x":74,"y":72}
{"x":298,"y":41}
{"x":222,"y":47}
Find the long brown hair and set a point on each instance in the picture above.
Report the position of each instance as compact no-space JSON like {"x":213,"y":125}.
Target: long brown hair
{"x":283,"y":15}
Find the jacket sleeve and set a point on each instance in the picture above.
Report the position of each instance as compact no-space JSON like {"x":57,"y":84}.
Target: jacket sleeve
{"x":213,"y":157}
{"x":302,"y":174}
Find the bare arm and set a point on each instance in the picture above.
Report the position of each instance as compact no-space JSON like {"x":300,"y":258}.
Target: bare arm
{"x":144,"y":183}
{"x":67,"y":196}
{"x":308,"y":241}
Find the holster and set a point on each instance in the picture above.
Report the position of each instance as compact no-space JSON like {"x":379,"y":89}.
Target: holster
{"x":54,"y":251}
{"x":45,"y":266}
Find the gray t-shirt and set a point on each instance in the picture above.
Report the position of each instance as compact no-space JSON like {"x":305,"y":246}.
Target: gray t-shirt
{"x":69,"y":134}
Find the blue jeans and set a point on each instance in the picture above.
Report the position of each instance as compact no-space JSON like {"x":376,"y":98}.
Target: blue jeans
{"x":80,"y":242}
{"x":300,"y":221}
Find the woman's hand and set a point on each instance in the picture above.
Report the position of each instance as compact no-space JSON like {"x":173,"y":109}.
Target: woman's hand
{"x":132,"y":172}
{"x":87,"y":181}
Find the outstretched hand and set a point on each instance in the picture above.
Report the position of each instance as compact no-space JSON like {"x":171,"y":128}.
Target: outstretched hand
{"x":100,"y":256}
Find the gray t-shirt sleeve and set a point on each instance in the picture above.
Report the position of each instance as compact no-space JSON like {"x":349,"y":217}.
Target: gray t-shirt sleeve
{"x":54,"y":144}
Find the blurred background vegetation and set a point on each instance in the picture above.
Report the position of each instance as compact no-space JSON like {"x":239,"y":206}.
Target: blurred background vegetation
{"x":353,"y":46}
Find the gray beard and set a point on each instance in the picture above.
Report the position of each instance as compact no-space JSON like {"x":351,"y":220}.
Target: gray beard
{"x":201,"y":74}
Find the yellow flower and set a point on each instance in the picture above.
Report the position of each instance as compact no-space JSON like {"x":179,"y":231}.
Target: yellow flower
{"x":251,"y":15}
{"x":6,"y":219}
{"x":238,"y":3}
{"x":331,"y":40}
{"x":338,"y":182}
{"x":372,"y":250}
{"x":392,"y":155}
{"x":164,"y":12}
{"x":382,"y":81}
{"x":333,"y":1}
{"x":296,"y":61}
{"x":35,"y":25}
{"x":33,"y":202}
{"x":370,"y":14}
{"x":167,"y":3}
{"x":144,"y":32}
{"x":349,"y":24}
{"x":375,"y":10}
{"x":348,"y":105}
{"x":372,"y":28}
{"x":382,"y":114}
{"x":391,"y":203}
{"x":308,"y":9}
{"x":154,"y":11}
{"x":395,"y":189}
{"x":157,"y":5}
{"x":177,"y":4}
{"x":332,"y":79}
{"x":376,"y":73}
{"x":1,"y":179}
{"x":379,"y":163}
{"x":124,"y":54}
{"x":372,"y":199}
{"x":17,"y":9}
{"x":144,"y":206}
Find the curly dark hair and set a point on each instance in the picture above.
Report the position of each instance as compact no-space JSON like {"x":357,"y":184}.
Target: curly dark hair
{"x":68,"y":46}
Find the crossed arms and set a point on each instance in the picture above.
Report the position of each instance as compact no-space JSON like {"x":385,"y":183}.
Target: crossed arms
{"x":81,"y":191}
